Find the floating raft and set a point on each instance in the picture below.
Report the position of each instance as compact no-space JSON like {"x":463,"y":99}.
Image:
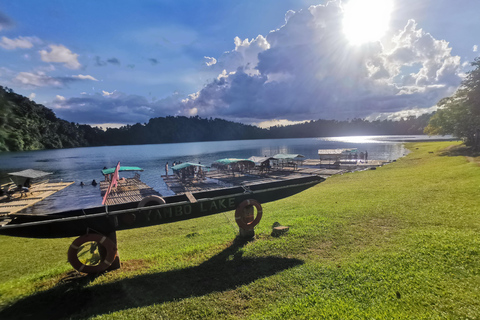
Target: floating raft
{"x":127,"y":190}
{"x":37,"y":193}
{"x":217,"y":179}
{"x":346,"y":164}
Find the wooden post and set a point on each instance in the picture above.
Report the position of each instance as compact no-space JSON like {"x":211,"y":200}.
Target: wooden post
{"x":248,"y":216}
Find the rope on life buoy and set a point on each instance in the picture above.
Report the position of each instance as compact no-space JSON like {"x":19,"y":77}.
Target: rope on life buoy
{"x":239,"y":214}
{"x":106,"y":259}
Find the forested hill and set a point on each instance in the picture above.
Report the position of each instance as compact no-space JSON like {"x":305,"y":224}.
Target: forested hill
{"x":26,"y":125}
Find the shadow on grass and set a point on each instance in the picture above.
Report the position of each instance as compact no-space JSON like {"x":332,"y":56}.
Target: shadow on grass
{"x":460,"y":150}
{"x":75,"y":299}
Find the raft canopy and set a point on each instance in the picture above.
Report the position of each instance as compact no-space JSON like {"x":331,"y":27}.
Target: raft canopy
{"x":259,"y":160}
{"x":287,"y":156}
{"x":112,"y":170}
{"x":30,"y":173}
{"x":186,"y":165}
{"x":229,"y":161}
{"x":337,"y":151}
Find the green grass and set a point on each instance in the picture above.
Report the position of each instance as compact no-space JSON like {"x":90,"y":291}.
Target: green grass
{"x":399,"y":242}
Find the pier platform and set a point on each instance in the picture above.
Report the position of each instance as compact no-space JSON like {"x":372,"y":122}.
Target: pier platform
{"x":37,"y":192}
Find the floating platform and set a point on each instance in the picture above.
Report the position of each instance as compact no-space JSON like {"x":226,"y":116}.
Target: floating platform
{"x":217,"y":179}
{"x":37,"y":192}
{"x":346,"y":164}
{"x":127,"y":190}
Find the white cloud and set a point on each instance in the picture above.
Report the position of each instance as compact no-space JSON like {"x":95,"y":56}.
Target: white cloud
{"x":32,"y":96}
{"x":60,"y":98}
{"x":18,"y":43}
{"x":39,"y":78}
{"x":210,"y":61}
{"x":29,"y":79}
{"x":106,"y":93}
{"x":244,"y":55}
{"x":307,"y":69}
{"x":60,"y":54}
{"x":475,"y":48}
{"x":84,"y":77}
{"x":403,"y":114}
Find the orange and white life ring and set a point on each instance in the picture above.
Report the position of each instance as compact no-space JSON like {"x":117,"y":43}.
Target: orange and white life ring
{"x":107,"y":257}
{"x":239,"y":214}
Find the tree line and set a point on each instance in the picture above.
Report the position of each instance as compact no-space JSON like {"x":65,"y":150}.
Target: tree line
{"x":26,"y":125}
{"x":459,"y":114}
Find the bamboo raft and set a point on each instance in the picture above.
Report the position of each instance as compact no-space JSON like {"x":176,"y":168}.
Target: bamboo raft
{"x":127,"y":190}
{"x":36,"y":193}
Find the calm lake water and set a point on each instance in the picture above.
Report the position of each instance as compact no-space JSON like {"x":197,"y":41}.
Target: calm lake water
{"x":85,"y":164}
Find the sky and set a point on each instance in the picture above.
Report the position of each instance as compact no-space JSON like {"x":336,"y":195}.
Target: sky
{"x":111,"y":63}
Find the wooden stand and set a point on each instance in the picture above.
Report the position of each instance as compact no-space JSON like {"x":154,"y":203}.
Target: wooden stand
{"x":248,"y":216}
{"x":116,"y":263}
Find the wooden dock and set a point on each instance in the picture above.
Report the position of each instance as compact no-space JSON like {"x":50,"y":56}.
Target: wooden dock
{"x":36,"y":193}
{"x":217,"y":179}
{"x":127,"y":190}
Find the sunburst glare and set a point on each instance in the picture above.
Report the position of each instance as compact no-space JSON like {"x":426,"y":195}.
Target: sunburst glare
{"x":366,"y":20}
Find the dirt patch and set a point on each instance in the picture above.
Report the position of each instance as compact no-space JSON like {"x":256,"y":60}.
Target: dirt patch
{"x":135,"y":265}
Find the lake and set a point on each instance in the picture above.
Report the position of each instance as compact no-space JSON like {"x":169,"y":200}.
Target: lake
{"x":85,"y":164}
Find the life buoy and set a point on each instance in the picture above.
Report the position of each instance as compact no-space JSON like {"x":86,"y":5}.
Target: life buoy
{"x":106,"y":259}
{"x":152,"y":200}
{"x":239,"y":214}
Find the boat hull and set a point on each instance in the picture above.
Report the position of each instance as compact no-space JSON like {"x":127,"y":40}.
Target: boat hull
{"x":128,"y":216}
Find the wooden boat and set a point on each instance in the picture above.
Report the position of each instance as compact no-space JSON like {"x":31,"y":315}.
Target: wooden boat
{"x":150,"y":211}
{"x":98,"y":225}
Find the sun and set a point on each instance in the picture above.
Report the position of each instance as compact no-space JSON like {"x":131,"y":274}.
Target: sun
{"x":366,"y":20}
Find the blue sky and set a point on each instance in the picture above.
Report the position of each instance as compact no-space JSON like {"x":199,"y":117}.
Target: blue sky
{"x":262,"y":62}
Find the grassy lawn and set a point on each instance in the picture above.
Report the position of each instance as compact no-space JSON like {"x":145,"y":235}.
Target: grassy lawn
{"x":399,"y":242}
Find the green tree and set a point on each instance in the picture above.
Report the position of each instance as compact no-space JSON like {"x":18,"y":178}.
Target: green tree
{"x":459,"y":114}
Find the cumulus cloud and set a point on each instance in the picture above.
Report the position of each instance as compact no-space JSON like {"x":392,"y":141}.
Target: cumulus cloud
{"x":28,"y":79}
{"x":308,"y":70}
{"x":475,"y":48}
{"x":106,"y":107}
{"x":60,"y":54}
{"x":41,"y":79}
{"x":18,"y":43}
{"x":244,"y":55}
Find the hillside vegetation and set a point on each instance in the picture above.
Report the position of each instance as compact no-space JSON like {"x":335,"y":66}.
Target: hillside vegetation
{"x":26,"y":125}
{"x":399,"y":242}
